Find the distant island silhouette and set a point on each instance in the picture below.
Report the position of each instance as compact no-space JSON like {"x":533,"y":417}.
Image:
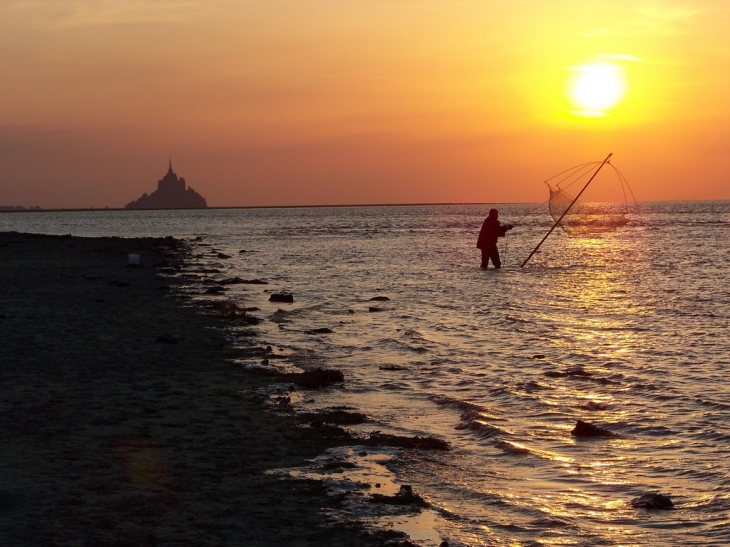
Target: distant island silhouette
{"x":171,"y":193}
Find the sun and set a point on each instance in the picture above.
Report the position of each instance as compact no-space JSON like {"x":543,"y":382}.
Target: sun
{"x":595,"y":89}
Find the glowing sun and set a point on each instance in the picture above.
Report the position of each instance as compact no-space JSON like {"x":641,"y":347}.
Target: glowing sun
{"x":596,"y":88}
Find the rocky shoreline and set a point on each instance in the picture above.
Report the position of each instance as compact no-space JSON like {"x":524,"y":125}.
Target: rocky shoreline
{"x":122,"y":421}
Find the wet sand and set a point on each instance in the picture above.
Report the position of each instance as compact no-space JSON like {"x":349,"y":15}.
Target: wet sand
{"x":113,"y":437}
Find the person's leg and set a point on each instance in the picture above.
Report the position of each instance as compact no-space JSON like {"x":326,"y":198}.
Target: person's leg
{"x":494,"y":255}
{"x":485,"y":258}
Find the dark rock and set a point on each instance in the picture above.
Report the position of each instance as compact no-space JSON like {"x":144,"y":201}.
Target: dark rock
{"x":315,"y":378}
{"x":250,"y":319}
{"x":393,"y":367}
{"x":215,"y":290}
{"x":379,"y":299}
{"x":405,"y":496}
{"x":226,"y":308}
{"x":340,"y":466}
{"x":374,"y":309}
{"x":422,"y":443}
{"x":255,"y":282}
{"x":653,"y":501}
{"x":584,"y":429}
{"x":280,"y":297}
{"x":223,"y":256}
{"x":230,"y":281}
{"x":166,"y":339}
{"x":322,"y":330}
{"x":592,"y":405}
{"x":338,"y":417}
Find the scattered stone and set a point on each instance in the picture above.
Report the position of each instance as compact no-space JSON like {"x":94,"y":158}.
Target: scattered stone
{"x":374,"y":309}
{"x":226,"y":308}
{"x":166,"y":339}
{"x":322,"y":330}
{"x":405,"y":496}
{"x":338,"y":417}
{"x":231,"y":281}
{"x":379,"y":299}
{"x":653,"y":501}
{"x":592,"y":405}
{"x":255,"y":282}
{"x":313,"y":378}
{"x":338,"y":466}
{"x":538,"y":356}
{"x":280,"y":297}
{"x":215,"y":290}
{"x":223,"y":256}
{"x":584,"y":429}
{"x":392,"y":367}
{"x":421,"y":443}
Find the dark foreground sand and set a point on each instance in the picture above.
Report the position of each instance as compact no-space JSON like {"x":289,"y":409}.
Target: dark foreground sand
{"x":108,"y":437}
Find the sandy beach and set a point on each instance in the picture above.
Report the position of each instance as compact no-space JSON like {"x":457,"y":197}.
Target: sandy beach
{"x":121,"y":416}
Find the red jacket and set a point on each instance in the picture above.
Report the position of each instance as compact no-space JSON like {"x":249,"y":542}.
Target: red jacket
{"x":491,"y":230}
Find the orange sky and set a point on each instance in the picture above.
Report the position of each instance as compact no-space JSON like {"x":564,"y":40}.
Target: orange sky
{"x":355,"y":101}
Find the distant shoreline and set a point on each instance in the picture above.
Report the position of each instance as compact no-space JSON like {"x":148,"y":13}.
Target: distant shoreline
{"x":341,"y":206}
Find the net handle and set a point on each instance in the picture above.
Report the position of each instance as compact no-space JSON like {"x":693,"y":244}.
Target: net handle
{"x":566,"y":211}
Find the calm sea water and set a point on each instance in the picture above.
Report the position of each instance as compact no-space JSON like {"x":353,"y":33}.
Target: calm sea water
{"x":627,"y":329}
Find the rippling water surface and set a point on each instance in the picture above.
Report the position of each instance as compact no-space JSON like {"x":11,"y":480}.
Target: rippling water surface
{"x":626,"y":329}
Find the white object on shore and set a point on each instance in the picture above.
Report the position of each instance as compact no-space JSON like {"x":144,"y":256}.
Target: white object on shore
{"x":134,"y":259}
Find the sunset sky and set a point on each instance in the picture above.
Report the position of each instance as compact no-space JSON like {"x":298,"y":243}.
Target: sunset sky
{"x":281,"y":102}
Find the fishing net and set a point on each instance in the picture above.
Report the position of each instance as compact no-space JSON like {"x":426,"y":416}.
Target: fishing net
{"x":576,"y":216}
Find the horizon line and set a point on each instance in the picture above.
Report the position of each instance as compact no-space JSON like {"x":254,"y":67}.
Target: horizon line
{"x":107,"y":208}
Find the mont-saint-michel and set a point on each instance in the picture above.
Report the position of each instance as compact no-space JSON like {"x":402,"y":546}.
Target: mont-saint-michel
{"x":171,"y":193}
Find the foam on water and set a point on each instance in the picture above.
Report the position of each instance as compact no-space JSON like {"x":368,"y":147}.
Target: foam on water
{"x":627,"y":330}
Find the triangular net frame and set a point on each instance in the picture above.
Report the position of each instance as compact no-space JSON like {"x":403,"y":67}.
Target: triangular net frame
{"x":586,"y":217}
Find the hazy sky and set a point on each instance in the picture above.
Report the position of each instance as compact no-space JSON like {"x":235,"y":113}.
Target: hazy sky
{"x":282,"y":102}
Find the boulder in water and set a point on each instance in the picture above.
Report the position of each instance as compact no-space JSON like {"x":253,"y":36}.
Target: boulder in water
{"x":405,"y":496}
{"x":653,"y":501}
{"x":584,"y":429}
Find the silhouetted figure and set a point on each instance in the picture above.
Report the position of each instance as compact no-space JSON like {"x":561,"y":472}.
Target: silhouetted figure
{"x":491,"y":230}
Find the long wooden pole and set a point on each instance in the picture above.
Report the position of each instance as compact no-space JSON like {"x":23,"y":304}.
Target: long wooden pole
{"x":566,"y":211}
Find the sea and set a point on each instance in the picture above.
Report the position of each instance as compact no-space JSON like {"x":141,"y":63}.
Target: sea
{"x":627,"y":329}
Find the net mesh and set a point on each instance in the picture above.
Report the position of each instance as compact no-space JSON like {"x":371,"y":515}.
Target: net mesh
{"x":585,"y":217}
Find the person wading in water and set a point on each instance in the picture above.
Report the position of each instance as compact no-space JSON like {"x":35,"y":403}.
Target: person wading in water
{"x":491,"y":230}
